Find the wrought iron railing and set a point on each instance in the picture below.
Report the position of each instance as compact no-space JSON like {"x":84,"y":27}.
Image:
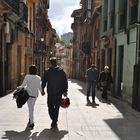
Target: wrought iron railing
{"x":86,"y":47}
{"x":23,"y":12}
{"x":46,"y":4}
{"x":133,"y":14}
{"x":40,"y":49}
{"x":14,"y":4}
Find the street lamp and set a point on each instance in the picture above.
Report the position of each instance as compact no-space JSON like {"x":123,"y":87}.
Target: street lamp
{"x":51,"y":54}
{"x":42,"y":40}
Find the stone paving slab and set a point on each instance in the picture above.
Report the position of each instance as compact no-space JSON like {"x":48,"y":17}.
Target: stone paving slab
{"x":112,"y":120}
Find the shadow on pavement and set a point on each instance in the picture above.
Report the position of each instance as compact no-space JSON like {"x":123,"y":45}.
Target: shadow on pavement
{"x":54,"y":134}
{"x":83,"y":91}
{"x":14,"y":135}
{"x":125,"y":123}
{"x":124,"y":128}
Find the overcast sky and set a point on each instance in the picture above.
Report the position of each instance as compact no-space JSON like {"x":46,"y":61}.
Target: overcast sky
{"x":60,"y":14}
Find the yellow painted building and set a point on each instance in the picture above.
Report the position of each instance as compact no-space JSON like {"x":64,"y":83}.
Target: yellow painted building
{"x":22,"y":49}
{"x":20,"y":39}
{"x":17,"y":30}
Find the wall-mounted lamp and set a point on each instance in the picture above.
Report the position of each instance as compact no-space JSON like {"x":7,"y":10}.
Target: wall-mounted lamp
{"x":42,"y":39}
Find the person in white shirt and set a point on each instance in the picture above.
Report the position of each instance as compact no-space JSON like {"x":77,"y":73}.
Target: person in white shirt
{"x":32,"y":83}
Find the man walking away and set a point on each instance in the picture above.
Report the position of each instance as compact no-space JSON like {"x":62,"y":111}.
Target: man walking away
{"x":105,"y":79}
{"x":91,"y":78}
{"x":57,"y":85}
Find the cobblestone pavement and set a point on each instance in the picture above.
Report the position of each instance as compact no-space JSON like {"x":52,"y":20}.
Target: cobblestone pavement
{"x":111,"y":120}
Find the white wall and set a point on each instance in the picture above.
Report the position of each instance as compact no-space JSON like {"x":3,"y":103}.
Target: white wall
{"x":128,"y":62}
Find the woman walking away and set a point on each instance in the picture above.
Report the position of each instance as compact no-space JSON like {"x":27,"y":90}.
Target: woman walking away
{"x":105,"y":79}
{"x":32,"y":83}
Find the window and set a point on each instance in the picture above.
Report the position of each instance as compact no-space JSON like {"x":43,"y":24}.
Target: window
{"x":89,"y":5}
{"x":105,"y":9}
{"x":122,"y":12}
{"x":105,"y":24}
{"x":89,"y":14}
{"x":111,"y":20}
{"x":122,"y":21}
{"x":111,"y":13}
{"x":133,"y":11}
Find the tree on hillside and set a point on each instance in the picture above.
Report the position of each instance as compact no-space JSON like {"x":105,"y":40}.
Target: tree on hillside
{"x":58,"y":40}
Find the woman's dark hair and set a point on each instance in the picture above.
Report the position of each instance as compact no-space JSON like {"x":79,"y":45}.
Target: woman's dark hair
{"x":33,"y":69}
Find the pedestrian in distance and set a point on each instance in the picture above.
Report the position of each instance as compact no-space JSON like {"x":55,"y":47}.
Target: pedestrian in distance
{"x":57,"y":85}
{"x":91,"y":76}
{"x":105,"y":80}
{"x":32,"y":84}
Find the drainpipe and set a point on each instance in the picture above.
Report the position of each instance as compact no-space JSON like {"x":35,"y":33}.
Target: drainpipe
{"x":138,"y":44}
{"x":136,"y":74}
{"x":138,"y":62}
{"x":3,"y":56}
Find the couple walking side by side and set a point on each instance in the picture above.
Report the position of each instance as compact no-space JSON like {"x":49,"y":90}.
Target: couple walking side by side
{"x":104,"y":79}
{"x":57,"y":85}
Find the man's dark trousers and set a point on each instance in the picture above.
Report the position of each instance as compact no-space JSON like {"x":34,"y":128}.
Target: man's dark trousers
{"x":53,"y":107}
{"x":91,"y":86}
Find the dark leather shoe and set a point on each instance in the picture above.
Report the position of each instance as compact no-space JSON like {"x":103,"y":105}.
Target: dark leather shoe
{"x":88,"y":99}
{"x":93,"y":102}
{"x":53,"y":124}
{"x":32,"y":126}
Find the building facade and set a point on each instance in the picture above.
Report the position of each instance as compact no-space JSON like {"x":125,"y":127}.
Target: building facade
{"x":127,"y":46}
{"x":83,"y":40}
{"x":110,"y":35}
{"x":76,"y":69}
{"x":41,"y":27}
{"x":13,"y":30}
{"x":20,"y":39}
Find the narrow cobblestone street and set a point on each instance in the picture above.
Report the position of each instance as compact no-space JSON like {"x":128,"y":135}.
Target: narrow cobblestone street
{"x":111,"y":120}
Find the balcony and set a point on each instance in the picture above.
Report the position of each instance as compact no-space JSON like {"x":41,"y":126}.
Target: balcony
{"x":11,"y":4}
{"x":86,"y":47}
{"x":133,"y":14}
{"x":23,"y":12}
{"x":29,"y":51}
{"x":40,"y":49}
{"x":73,"y":26}
{"x":42,"y":19}
{"x":74,"y":38}
{"x":122,"y":21}
{"x":34,"y":1}
{"x":46,"y":4}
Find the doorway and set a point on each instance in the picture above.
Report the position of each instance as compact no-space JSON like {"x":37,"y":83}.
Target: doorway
{"x":120,"y":70}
